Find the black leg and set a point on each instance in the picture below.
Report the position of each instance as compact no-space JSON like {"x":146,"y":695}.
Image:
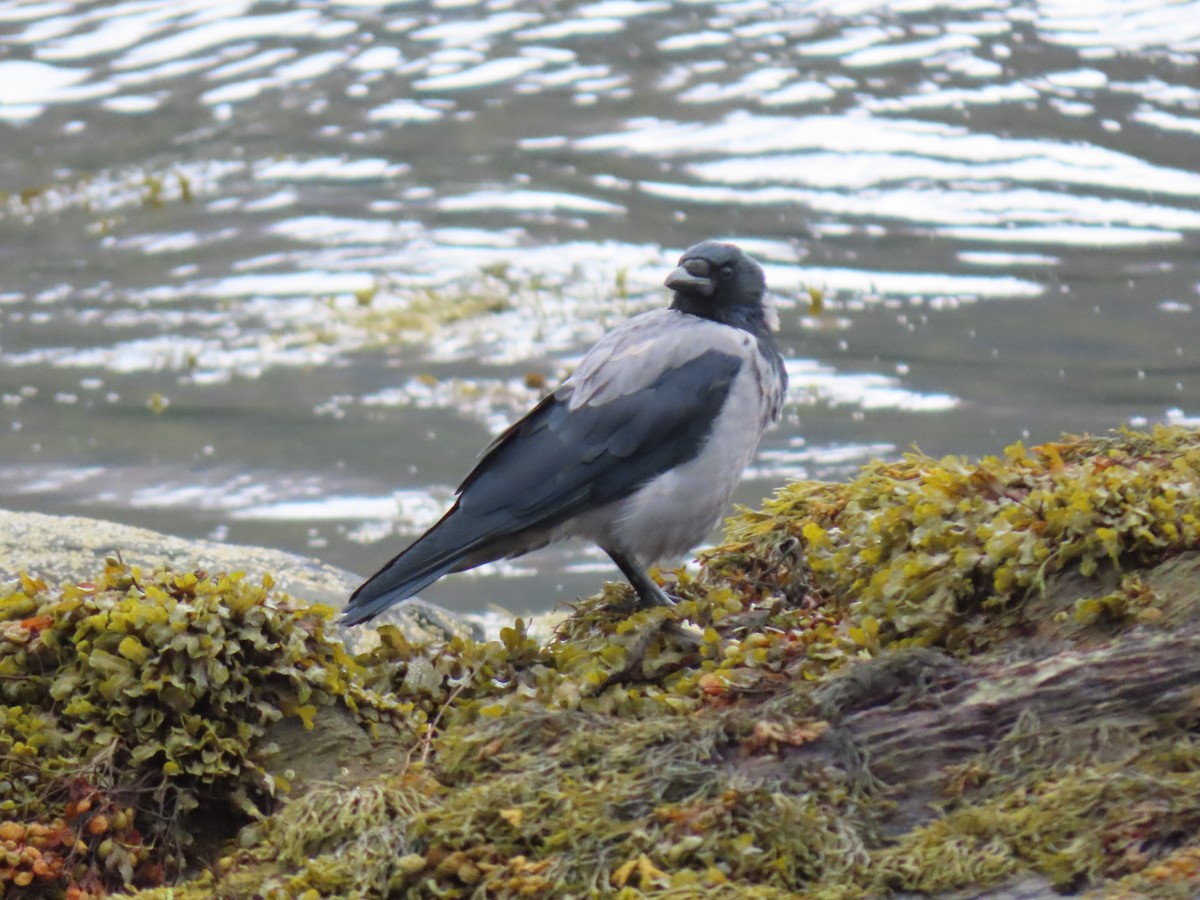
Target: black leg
{"x":649,"y":593}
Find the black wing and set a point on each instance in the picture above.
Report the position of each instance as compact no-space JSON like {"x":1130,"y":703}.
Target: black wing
{"x":558,"y":462}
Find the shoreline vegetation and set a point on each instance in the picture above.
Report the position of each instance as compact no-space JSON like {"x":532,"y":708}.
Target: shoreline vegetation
{"x":943,"y":678}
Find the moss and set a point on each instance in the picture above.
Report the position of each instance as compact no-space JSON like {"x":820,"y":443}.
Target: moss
{"x":109,"y":191}
{"x":569,"y":803}
{"x":1077,"y":826}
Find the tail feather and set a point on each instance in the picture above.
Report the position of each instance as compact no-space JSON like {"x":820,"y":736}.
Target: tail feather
{"x":424,"y":562}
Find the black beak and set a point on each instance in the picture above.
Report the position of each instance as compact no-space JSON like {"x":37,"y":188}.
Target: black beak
{"x":694,"y":276}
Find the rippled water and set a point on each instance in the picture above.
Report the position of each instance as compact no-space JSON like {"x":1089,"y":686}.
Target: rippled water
{"x":274,"y":272}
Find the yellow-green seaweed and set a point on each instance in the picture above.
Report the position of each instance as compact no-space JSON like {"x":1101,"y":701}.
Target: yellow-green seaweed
{"x":719,"y":748}
{"x":154,"y":693}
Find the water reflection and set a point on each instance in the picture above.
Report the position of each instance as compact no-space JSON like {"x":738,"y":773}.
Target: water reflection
{"x":276,"y":271}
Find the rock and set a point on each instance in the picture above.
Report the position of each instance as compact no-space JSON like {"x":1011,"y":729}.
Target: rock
{"x":70,"y":549}
{"x":946,"y":680}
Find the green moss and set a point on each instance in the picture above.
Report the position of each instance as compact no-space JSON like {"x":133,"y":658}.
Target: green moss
{"x":1130,"y":603}
{"x":569,"y":803}
{"x":106,"y":192}
{"x":1077,"y":826}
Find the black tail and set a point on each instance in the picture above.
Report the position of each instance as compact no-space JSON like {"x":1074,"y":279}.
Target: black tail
{"x":431,"y":556}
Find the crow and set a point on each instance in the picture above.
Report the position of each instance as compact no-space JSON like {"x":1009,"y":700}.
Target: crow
{"x":639,"y":450}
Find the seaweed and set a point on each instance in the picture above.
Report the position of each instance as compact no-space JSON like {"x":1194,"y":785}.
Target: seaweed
{"x":139,"y":705}
{"x":721,"y":747}
{"x":943,"y":552}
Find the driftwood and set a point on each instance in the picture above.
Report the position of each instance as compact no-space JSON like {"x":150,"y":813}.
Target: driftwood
{"x":911,"y":716}
{"x":906,"y":725}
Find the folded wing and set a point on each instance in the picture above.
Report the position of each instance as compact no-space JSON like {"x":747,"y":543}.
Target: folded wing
{"x":561,"y":460}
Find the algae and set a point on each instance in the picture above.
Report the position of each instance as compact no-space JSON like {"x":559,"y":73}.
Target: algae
{"x":137,"y":706}
{"x":394,"y":311}
{"x":942,"y":552}
{"x":788,"y":729}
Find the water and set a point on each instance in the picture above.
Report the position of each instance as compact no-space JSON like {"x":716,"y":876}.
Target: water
{"x":275,"y":272}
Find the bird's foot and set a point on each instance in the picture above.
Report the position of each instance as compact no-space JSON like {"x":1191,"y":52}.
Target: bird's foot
{"x":647,"y":598}
{"x":661,"y":647}
{"x":653,"y":595}
{"x":647,"y":592}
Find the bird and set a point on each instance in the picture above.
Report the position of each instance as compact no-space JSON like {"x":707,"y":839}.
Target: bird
{"x":638,"y":450}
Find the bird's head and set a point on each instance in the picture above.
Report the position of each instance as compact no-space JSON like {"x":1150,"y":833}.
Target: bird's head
{"x":720,"y":282}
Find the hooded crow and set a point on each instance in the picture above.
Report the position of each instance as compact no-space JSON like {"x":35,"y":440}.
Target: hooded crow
{"x":639,"y":450}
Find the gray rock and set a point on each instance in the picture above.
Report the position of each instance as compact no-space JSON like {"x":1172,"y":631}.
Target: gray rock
{"x":67,"y":549}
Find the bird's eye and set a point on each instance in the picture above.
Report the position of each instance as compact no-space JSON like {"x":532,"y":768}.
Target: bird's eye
{"x":726,"y":272}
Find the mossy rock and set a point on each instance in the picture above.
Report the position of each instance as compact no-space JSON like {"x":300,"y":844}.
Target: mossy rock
{"x":942,"y":678}
{"x":67,"y":549}
{"x":139,"y":714}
